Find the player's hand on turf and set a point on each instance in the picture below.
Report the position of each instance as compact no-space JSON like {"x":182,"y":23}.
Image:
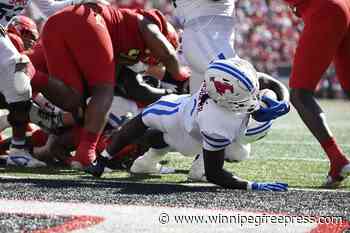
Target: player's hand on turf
{"x":276,"y":187}
{"x":273,"y":110}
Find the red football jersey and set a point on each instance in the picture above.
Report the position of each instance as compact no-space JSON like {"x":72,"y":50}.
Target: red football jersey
{"x":293,"y":2}
{"x":124,"y":30}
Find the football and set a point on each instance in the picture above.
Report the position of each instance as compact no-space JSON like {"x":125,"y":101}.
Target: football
{"x":268,"y":93}
{"x":258,"y":130}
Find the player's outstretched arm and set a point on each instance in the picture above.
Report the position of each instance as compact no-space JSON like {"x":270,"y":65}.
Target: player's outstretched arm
{"x":162,"y":49}
{"x":213,"y":165}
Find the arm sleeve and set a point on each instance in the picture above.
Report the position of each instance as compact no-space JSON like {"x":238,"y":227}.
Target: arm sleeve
{"x":49,"y":7}
{"x":213,"y":164}
{"x":138,"y":90}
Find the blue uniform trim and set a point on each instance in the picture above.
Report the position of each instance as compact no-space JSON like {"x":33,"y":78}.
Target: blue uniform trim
{"x":165,"y":103}
{"x":216,"y":140}
{"x":234,"y":72}
{"x":117,"y":120}
{"x":194,"y":106}
{"x":242,"y":75}
{"x":259,"y":129}
{"x":159,"y":111}
{"x":16,"y":159}
{"x":217,"y":146}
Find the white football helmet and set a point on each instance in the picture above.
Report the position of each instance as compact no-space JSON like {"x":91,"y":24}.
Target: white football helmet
{"x":233,"y":84}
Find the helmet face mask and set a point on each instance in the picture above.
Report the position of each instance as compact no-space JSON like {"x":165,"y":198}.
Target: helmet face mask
{"x":233,"y":84}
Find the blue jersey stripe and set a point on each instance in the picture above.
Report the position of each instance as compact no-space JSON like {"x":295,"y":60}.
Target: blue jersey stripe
{"x":260,"y":126}
{"x":166,"y":103}
{"x":159,"y":111}
{"x":217,"y":140}
{"x":217,"y":146}
{"x":258,"y":130}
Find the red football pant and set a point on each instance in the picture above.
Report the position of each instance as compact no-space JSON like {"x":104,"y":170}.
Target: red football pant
{"x":325,"y":38}
{"x":78,"y":48}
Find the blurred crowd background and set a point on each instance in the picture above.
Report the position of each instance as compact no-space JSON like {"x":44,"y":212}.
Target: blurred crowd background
{"x":266,"y":35}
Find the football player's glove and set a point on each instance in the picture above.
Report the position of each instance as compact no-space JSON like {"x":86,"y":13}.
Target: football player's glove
{"x":276,"y":187}
{"x":273,"y":110}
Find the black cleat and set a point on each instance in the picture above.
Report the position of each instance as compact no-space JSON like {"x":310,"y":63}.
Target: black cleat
{"x":96,"y":168}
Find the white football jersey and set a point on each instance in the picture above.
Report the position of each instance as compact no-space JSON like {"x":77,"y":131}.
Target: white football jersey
{"x":190,"y":123}
{"x":215,"y":126}
{"x":187,"y":10}
{"x":11,"y":8}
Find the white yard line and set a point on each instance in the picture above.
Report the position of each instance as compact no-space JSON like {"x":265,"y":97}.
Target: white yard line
{"x":123,"y":218}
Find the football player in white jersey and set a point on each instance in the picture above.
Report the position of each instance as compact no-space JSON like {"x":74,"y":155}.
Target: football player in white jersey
{"x":16,"y":72}
{"x":208,"y":34}
{"x":207,"y":122}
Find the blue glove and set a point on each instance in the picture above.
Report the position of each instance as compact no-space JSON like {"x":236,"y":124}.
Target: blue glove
{"x":277,"y":187}
{"x":274,"y":110}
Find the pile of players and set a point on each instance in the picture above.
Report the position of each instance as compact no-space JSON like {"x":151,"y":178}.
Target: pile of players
{"x":92,"y":83}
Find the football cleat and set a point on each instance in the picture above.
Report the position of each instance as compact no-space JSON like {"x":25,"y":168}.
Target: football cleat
{"x":334,"y":182}
{"x":97,"y":168}
{"x":22,"y":158}
{"x":144,"y":165}
{"x":197,"y":172}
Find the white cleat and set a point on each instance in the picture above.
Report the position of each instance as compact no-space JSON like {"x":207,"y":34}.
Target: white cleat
{"x":22,"y":158}
{"x":197,"y":172}
{"x":334,"y":183}
{"x":144,"y":165}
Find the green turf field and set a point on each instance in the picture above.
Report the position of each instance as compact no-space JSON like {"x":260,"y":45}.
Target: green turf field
{"x":289,"y":153}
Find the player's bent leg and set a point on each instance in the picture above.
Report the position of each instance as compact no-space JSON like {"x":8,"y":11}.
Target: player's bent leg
{"x":131,"y":131}
{"x":54,"y":91}
{"x":94,"y":122}
{"x":314,"y":118}
{"x":310,"y":112}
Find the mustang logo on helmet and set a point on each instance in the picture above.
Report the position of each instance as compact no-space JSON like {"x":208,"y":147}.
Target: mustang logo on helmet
{"x":221,"y":87}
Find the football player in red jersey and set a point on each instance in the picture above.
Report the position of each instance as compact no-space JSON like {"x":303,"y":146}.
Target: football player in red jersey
{"x":83,"y":44}
{"x":325,"y":38}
